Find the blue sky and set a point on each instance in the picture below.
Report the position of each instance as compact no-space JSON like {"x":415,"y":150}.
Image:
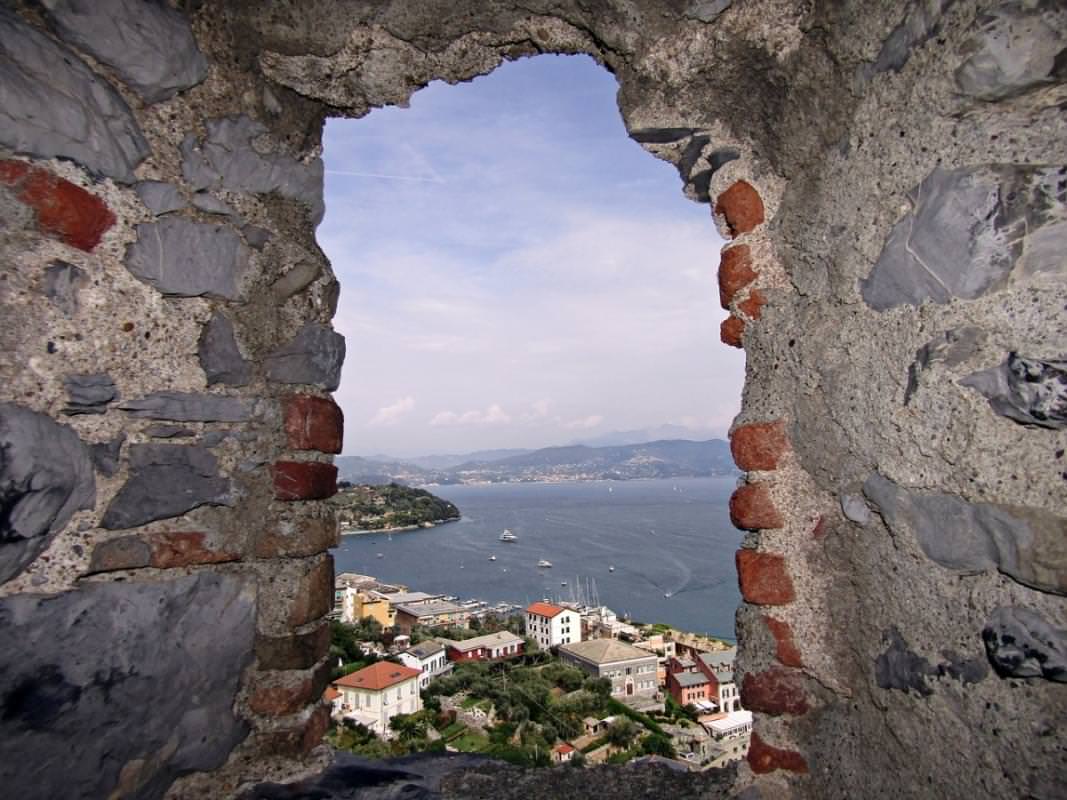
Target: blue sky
{"x":516,"y":272}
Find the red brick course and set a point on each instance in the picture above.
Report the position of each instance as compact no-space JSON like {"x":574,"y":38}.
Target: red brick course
{"x":763,"y":758}
{"x":751,"y":508}
{"x":64,"y":210}
{"x":787,"y":651}
{"x":774,"y":691}
{"x":735,"y":272}
{"x":742,"y":208}
{"x":730,"y":331}
{"x":313,"y":423}
{"x":763,"y":578}
{"x":752,"y":306}
{"x":164,"y":550}
{"x":304,"y":480}
{"x":759,"y":445}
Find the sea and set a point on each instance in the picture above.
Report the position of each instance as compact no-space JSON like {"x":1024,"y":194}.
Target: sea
{"x":670,"y":543}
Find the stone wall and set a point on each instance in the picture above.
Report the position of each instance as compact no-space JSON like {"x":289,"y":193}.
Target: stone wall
{"x":892,"y":181}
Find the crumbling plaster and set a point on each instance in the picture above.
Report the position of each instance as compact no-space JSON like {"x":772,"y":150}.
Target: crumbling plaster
{"x":874,"y":656}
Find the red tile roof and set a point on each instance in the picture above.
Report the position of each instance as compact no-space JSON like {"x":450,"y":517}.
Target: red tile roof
{"x":544,"y":609}
{"x":563,"y":748}
{"x":377,"y":676}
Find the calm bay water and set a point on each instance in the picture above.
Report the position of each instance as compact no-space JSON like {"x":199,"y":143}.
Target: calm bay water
{"x":662,"y":536}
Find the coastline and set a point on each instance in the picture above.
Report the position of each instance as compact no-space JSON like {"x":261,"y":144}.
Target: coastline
{"x":400,"y":529}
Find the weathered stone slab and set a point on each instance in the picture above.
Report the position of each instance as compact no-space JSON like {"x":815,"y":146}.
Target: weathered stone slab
{"x":900,"y":668}
{"x":61,"y":284}
{"x":707,"y":10}
{"x":1021,"y":643}
{"x":166,"y":480}
{"x":314,"y":356}
{"x":220,"y":358}
{"x":1027,"y":390}
{"x":302,"y":275}
{"x":210,"y":204}
{"x":45,"y":476}
{"x":919,"y":25}
{"x":189,"y":259}
{"x":189,"y":407}
{"x":951,"y":347}
{"x":227,"y":160}
{"x":54,"y":105}
{"x":160,"y":197}
{"x":105,"y":455}
{"x":89,"y":394}
{"x":1028,"y":545}
{"x":1012,"y":50}
{"x":149,"y":45}
{"x":969,"y":231}
{"x":93,"y":705}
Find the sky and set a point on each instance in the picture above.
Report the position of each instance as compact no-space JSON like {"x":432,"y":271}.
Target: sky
{"x":516,"y":272}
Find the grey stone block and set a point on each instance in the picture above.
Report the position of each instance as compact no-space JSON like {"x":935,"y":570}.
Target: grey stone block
{"x":660,"y":135}
{"x":166,"y":480}
{"x":189,"y":407}
{"x":92,"y":705}
{"x":45,"y":476}
{"x":189,"y":259}
{"x":256,"y":236}
{"x":952,"y":348}
{"x":227,"y":160}
{"x":707,"y":10}
{"x":89,"y":394}
{"x":168,"y":432}
{"x":855,"y":509}
{"x":1027,"y":390}
{"x":62,"y":282}
{"x":970,"y":231}
{"x":54,"y":105}
{"x":210,"y":204}
{"x":149,"y":45}
{"x":160,"y":197}
{"x":105,"y":455}
{"x":1013,"y":49}
{"x":314,"y":356}
{"x":921,"y":22}
{"x":220,"y":358}
{"x":965,"y":670}
{"x":296,"y":280}
{"x":1020,"y":643}
{"x":900,"y":668}
{"x":1028,"y":545}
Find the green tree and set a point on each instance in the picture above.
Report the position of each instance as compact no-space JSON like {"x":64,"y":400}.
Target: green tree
{"x":621,"y":732}
{"x":658,"y":745}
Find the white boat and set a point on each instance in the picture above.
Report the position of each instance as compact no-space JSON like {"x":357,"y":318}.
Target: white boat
{"x":492,"y":558}
{"x":544,"y":563}
{"x":611,"y":568}
{"x":562,"y":583}
{"x":508,"y":536}
{"x":380,"y":555}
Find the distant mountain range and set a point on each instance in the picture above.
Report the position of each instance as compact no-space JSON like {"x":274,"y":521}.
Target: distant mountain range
{"x":666,"y":458}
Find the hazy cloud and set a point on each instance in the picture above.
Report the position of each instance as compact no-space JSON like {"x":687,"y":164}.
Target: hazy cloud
{"x":391,"y":414}
{"x":585,"y":422}
{"x":493,"y":415}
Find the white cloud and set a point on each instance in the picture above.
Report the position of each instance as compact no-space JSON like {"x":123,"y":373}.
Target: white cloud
{"x":585,"y":422}
{"x":391,"y":414}
{"x":493,"y":415}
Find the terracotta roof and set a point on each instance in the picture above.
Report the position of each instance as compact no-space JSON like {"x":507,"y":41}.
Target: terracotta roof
{"x":544,"y":609}
{"x":563,"y":748}
{"x":377,"y":676}
{"x":330,"y":694}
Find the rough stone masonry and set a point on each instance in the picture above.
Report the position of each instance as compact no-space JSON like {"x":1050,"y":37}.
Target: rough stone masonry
{"x":892,"y":181}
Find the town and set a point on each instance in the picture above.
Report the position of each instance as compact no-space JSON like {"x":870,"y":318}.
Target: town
{"x":564,"y":682}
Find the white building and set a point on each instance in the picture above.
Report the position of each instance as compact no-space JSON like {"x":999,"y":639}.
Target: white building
{"x":430,"y":658}
{"x":550,"y":625}
{"x":374,"y":695}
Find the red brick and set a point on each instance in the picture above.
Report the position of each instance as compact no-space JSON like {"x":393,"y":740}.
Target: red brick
{"x":741,"y":206}
{"x":730,"y":331}
{"x":763,"y":578}
{"x":298,"y":651}
{"x":774,"y":691}
{"x":298,"y":538}
{"x":759,"y":445}
{"x":735,"y":272}
{"x":304,"y":480}
{"x":314,"y":597}
{"x":763,"y":758}
{"x":313,"y":423}
{"x":183,"y":548}
{"x":787,"y":651}
{"x":751,"y":508}
{"x":66,"y":211}
{"x":752,"y":306}
{"x":819,"y":530}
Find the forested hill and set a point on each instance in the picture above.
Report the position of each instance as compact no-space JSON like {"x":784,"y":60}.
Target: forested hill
{"x":389,"y":506}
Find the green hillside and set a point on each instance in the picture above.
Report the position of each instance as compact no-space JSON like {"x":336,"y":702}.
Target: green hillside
{"x":390,"y":506}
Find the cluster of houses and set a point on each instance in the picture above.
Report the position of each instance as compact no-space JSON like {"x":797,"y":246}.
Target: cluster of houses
{"x":696,"y":673}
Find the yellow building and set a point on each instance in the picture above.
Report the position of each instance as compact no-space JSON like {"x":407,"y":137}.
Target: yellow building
{"x":374,"y":606}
